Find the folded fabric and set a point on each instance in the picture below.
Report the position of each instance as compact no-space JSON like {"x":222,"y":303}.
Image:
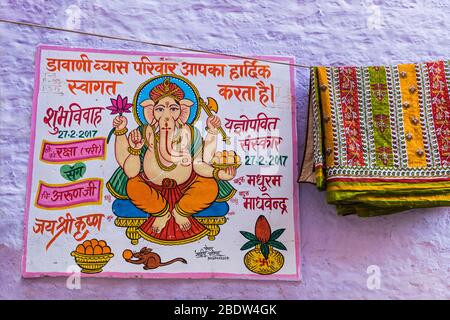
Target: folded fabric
{"x":378,"y":138}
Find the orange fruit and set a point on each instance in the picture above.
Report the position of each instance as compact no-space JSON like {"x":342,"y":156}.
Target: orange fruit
{"x":80,"y":249}
{"x":94,"y":242}
{"x":86,"y":243}
{"x":127,"y":254}
{"x":89,"y":250}
{"x":102,"y":243}
{"x":98,"y":249}
{"x":106,"y":249}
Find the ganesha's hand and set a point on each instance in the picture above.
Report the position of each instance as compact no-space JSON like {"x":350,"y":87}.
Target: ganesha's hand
{"x":135,"y":139}
{"x":120,"y":122}
{"x":227,"y":173}
{"x":213,"y":123}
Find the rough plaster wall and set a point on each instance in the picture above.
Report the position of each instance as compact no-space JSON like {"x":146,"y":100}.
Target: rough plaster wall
{"x":412,"y":250}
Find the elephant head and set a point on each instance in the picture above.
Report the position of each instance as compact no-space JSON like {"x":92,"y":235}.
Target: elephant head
{"x":167,"y":109}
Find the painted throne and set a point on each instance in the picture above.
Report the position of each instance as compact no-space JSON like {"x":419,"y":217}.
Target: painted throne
{"x":130,"y":217}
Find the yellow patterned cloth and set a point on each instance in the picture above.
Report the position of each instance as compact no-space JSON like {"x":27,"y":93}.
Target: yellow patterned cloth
{"x":378,"y":137}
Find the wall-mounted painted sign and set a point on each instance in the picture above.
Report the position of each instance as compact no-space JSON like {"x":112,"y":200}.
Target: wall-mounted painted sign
{"x":162,"y":165}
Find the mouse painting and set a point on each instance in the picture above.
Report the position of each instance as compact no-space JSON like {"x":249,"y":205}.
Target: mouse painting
{"x":140,"y":160}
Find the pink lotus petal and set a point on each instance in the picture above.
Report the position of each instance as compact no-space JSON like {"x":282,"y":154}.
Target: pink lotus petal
{"x":114,"y":102}
{"x":125,"y":101}
{"x":113,"y":109}
{"x":119,"y":101}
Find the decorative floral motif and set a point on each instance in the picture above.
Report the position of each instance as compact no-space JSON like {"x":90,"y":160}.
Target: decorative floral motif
{"x":381,"y":122}
{"x":384,"y":154}
{"x":379,"y":90}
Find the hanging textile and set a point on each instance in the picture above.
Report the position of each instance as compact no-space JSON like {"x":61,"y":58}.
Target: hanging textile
{"x":378,"y":138}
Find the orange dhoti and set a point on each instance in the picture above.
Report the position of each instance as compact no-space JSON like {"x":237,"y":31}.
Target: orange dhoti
{"x":187,"y":198}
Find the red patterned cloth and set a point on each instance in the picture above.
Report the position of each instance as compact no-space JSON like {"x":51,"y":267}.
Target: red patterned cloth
{"x":172,"y":192}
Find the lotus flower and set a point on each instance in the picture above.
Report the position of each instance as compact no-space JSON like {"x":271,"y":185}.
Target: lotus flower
{"x":263,"y":237}
{"x":119,"y":106}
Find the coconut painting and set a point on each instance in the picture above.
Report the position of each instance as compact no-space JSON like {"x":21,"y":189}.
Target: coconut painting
{"x":263,"y":258}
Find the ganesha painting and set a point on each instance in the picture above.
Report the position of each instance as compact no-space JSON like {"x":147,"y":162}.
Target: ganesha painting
{"x":166,"y":186}
{"x":157,"y":165}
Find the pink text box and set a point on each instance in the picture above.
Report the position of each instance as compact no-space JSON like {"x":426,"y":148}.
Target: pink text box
{"x":60,"y":196}
{"x":68,"y":152}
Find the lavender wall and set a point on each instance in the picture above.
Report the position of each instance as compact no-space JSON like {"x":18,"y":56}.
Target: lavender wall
{"x":412,"y":250}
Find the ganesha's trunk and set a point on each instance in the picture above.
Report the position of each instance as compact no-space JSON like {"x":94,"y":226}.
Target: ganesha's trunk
{"x":165,"y":146}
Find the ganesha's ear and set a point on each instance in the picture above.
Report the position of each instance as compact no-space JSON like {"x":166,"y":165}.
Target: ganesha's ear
{"x":149,"y":105}
{"x":186,"y":102}
{"x":185,"y":109}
